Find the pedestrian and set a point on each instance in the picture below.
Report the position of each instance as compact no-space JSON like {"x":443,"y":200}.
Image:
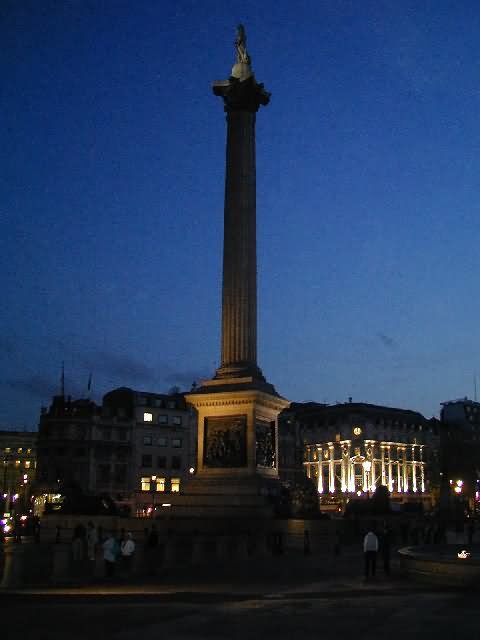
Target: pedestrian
{"x":36,"y":528}
{"x":385,"y":544}
{"x":127,"y":550}
{"x":17,"y":529}
{"x":78,"y":542}
{"x":92,"y":540}
{"x":110,"y":552}
{"x":370,"y":549}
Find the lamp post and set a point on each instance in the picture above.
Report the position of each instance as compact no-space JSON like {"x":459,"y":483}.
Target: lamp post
{"x":367,"y":466}
{"x":154,"y":486}
{"x":25,"y":493}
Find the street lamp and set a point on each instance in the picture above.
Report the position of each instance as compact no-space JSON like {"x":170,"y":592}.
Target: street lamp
{"x":367,"y":466}
{"x":458,"y":487}
{"x":154,"y":486}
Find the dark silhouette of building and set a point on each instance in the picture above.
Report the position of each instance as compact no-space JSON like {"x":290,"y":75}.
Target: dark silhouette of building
{"x":460,"y":453}
{"x":116,"y":448}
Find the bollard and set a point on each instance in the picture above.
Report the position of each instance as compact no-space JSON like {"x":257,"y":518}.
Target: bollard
{"x":62,"y":570}
{"x":222,"y":549}
{"x":242,"y":548}
{"x":306,"y":543}
{"x":261,"y":546}
{"x":13,"y":566}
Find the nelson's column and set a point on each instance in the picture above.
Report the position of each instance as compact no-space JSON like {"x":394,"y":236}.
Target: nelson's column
{"x":237,"y":459}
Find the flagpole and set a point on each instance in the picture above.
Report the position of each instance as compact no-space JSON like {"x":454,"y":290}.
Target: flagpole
{"x":62,"y":380}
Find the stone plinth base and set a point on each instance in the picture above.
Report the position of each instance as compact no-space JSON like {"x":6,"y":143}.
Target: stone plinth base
{"x":237,"y":475}
{"x":226,"y":496}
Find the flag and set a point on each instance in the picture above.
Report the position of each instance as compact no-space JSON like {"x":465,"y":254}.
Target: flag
{"x":89,"y":385}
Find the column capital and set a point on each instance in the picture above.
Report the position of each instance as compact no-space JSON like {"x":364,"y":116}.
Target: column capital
{"x":241,"y":94}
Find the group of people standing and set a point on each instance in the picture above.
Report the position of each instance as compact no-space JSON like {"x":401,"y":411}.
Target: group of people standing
{"x":117,"y":549}
{"x":372,"y":545}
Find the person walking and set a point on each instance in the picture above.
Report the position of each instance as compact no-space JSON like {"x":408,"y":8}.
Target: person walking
{"x":370,"y":549}
{"x":127,"y":549}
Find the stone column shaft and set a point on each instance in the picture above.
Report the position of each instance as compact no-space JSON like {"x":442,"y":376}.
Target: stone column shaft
{"x":239,"y":294}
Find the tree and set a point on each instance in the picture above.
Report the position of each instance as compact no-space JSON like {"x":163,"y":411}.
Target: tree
{"x":380,"y":501}
{"x":300,"y":499}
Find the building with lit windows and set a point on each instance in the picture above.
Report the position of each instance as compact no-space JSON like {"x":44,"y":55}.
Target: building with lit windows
{"x":350,"y":449}
{"x":18,"y":460}
{"x":133,"y":447}
{"x":165,"y":448}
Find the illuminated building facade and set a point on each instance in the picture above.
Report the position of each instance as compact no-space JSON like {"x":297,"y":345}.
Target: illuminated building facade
{"x":350,"y":449}
{"x":18,"y":459}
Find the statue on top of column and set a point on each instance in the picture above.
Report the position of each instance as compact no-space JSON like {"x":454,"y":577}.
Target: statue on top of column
{"x":241,"y":46}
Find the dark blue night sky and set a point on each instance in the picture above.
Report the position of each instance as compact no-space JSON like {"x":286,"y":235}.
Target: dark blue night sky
{"x":111,"y":191}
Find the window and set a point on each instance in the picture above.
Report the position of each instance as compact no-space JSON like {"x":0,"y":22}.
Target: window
{"x":157,"y":402}
{"x":29,"y":451}
{"x":147,"y":440}
{"x":177,"y":420}
{"x":160,"y":484}
{"x":176,"y":462}
{"x":19,"y":450}
{"x":122,"y":434}
{"x":176,"y":442}
{"x":145,"y":484}
{"x":171,"y":404}
{"x":162,"y":419}
{"x":17,"y":463}
{"x":148,"y":417}
{"x":162,"y":462}
{"x":27,"y":464}
{"x":162,"y":442}
{"x":142,"y":400}
{"x":8,"y":450}
{"x":107,"y":434}
{"x":175,"y":485}
{"x":146,"y":461}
